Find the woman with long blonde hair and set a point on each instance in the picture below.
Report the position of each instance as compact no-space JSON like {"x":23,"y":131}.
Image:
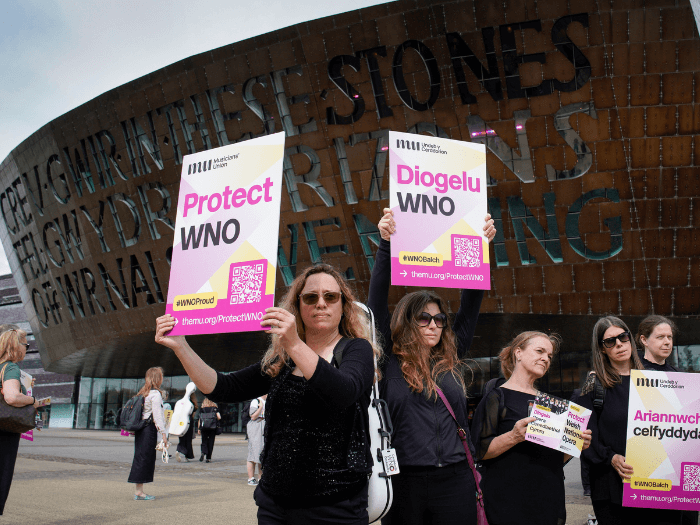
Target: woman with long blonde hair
{"x":13,"y":348}
{"x":145,"y":441}
{"x":316,"y":457}
{"x":424,"y":353}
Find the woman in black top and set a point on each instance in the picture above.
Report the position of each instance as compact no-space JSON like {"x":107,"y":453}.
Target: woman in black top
{"x":208,"y":434}
{"x":614,"y":357}
{"x":522,"y":482}
{"x":316,"y":458}
{"x":435,"y":484}
{"x":655,"y":343}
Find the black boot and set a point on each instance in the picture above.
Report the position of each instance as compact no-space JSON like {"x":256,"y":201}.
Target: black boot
{"x":201,"y":458}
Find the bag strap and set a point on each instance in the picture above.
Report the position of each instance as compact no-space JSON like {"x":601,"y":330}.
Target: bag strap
{"x":598,"y":394}
{"x":463,"y":436}
{"x":2,"y":374}
{"x":338,"y":350}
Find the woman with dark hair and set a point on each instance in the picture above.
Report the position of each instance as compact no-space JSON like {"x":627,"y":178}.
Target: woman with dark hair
{"x":144,"y":464}
{"x":13,"y":348}
{"x":184,"y":446}
{"x":423,"y":353}
{"x":316,"y":456}
{"x":614,"y":357}
{"x":517,"y":472}
{"x":655,"y":342}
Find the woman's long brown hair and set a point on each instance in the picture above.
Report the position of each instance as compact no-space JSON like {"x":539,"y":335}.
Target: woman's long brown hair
{"x":422,"y":367}
{"x":154,"y":378}
{"x":604,"y":369}
{"x":353,"y":323}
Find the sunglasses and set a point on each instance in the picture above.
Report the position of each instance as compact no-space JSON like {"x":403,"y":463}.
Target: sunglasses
{"x":610,"y":341}
{"x":312,"y":298}
{"x":424,"y":319}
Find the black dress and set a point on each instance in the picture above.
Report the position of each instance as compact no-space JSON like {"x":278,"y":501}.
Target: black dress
{"x":516,"y":483}
{"x":184,"y":446}
{"x":9,"y":445}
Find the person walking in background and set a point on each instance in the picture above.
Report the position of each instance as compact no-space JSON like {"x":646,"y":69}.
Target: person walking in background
{"x":208,"y":417}
{"x":256,"y":433}
{"x":317,"y":453}
{"x":13,"y":348}
{"x":144,"y":463}
{"x":423,"y":354}
{"x":184,"y":446}
{"x":516,"y":473}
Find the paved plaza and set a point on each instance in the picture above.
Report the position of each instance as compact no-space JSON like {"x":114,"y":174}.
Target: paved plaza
{"x":79,"y":477}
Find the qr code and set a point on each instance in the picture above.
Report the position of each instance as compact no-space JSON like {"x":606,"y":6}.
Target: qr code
{"x":246,"y":284}
{"x":467,"y":251}
{"x":691,"y":477}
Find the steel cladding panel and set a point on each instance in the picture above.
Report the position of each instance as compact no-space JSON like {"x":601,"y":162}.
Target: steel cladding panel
{"x":590,"y":120}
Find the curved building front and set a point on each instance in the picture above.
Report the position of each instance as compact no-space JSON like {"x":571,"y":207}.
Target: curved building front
{"x":590,"y":118}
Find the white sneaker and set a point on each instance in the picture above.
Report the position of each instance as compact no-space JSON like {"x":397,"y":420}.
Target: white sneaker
{"x":252,"y":481}
{"x":178,"y":457}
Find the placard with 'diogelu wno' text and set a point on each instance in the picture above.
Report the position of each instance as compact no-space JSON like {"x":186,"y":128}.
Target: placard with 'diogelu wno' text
{"x":663,"y":441}
{"x":224,"y":260}
{"x":558,"y":424}
{"x":438,"y":195}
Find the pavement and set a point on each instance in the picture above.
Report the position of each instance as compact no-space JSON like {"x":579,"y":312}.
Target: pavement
{"x":79,"y":477}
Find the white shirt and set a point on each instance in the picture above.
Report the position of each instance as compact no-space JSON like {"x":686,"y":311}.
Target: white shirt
{"x":153,"y":405}
{"x":254,"y":404}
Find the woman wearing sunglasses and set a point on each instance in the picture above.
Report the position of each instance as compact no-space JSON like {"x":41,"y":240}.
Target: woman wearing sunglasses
{"x":316,"y":457}
{"x":614,"y":357}
{"x":423,"y":353}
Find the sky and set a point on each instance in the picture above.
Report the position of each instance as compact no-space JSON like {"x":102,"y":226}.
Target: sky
{"x":58,"y":54}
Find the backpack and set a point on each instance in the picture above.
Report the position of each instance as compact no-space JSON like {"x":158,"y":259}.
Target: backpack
{"x":380,"y":429}
{"x":131,"y":415}
{"x":207,"y":420}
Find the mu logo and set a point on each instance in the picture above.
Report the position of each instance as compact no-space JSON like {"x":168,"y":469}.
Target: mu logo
{"x":645,"y":381}
{"x":198,"y":167}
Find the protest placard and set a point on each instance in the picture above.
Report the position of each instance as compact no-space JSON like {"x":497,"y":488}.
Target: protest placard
{"x":663,"y":444}
{"x":438,"y":195}
{"x":559,"y":424}
{"x":224,"y":258}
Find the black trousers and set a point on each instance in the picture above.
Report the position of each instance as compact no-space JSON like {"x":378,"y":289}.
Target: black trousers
{"x":144,"y":464}
{"x":208,"y":437}
{"x":184,"y":446}
{"x":9,"y":444}
{"x":609,"y":513}
{"x":352,"y":511}
{"x":433,"y":496}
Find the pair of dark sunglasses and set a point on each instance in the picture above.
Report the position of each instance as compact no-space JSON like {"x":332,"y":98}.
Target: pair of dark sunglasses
{"x":311,"y":298}
{"x":610,"y":341}
{"x":425,"y":318}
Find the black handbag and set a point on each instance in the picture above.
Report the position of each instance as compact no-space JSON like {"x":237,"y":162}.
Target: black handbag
{"x":15,"y":419}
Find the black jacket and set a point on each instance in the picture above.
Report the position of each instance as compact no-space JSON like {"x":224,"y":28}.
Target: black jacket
{"x":424,"y":432}
{"x":338,"y":387}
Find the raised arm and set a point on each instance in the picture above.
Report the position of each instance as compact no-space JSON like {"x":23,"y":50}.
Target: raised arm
{"x":470,"y":304}
{"x":200,"y":373}
{"x":380,"y":281}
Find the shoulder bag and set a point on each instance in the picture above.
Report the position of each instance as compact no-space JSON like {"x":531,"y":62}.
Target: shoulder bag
{"x":480,"y":511}
{"x":15,"y":419}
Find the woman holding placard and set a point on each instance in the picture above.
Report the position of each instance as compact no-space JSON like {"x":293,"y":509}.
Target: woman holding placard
{"x":606,"y":392}
{"x":517,"y":473}
{"x":424,"y":353}
{"x":316,"y":454}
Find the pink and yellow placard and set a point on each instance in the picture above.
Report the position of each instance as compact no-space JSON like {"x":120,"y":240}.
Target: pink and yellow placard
{"x":224,"y":260}
{"x":438,"y":195}
{"x":663,"y":441}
